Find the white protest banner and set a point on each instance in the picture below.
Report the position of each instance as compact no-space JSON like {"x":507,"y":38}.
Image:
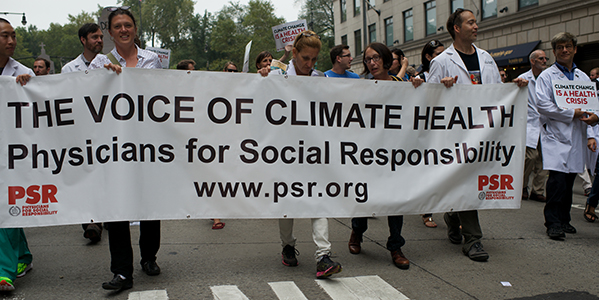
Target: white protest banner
{"x":168,"y":144}
{"x":284,"y":34}
{"x":163,"y":54}
{"x":246,"y":58}
{"x":575,"y":94}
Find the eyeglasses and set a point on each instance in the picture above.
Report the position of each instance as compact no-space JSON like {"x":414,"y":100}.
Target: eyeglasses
{"x":114,"y":8}
{"x":346,"y":55}
{"x":231,"y":70}
{"x":543,"y":58}
{"x":374,"y":59}
{"x":562,"y":47}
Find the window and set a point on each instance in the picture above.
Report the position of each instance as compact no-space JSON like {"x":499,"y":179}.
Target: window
{"x":343,"y":10}
{"x":357,"y":7}
{"x":527,"y":3}
{"x":455,"y":4}
{"x":344,"y":40}
{"x":358,"y":42}
{"x":431,"y":17}
{"x":408,"y":25}
{"x":489,"y":8}
{"x":372,"y":33}
{"x":389,"y":31}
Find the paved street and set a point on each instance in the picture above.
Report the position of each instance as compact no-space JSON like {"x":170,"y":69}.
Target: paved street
{"x":243,"y":260}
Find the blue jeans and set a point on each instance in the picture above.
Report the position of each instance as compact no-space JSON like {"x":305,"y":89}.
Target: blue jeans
{"x":395,"y":240}
{"x":593,"y":199}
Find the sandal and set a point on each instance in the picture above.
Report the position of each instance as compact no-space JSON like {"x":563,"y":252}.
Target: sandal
{"x":588,"y":215}
{"x":218,"y":225}
{"x":428,"y":222}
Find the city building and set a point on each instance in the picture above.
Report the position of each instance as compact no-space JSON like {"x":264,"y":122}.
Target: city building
{"x":509,"y":29}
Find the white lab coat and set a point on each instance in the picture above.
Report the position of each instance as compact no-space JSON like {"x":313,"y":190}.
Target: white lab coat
{"x":449,"y":64}
{"x":15,"y":68}
{"x":533,"y":121}
{"x":75,"y":65}
{"x":563,"y":140}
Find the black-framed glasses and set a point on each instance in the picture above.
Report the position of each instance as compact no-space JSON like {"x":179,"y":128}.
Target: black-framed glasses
{"x":231,"y":70}
{"x":543,"y":58}
{"x":346,"y":55}
{"x":374,"y":59}
{"x":114,"y":8}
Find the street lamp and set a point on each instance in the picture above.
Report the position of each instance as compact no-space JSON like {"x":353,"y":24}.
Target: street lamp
{"x":23,"y":21}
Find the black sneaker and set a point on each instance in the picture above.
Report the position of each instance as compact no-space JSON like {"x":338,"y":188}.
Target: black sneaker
{"x":288,"y":254}
{"x":453,"y":233}
{"x":118,"y":282}
{"x":326,"y":267}
{"x":567,"y":228}
{"x":556,"y":233}
{"x":477,"y":253}
{"x":151,"y":268}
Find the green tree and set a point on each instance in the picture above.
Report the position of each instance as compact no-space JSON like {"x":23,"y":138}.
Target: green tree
{"x":235,"y":25}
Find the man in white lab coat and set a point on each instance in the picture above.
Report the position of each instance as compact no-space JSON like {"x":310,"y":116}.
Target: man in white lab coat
{"x":563,"y":136}
{"x":92,"y":39}
{"x":465,"y":63}
{"x":533,"y":162}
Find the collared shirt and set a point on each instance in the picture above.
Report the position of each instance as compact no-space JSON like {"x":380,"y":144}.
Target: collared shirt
{"x":145,"y":60}
{"x":569,"y":74}
{"x":75,"y":65}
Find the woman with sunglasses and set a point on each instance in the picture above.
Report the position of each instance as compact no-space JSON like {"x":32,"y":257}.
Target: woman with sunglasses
{"x":122,"y":29}
{"x":430,"y":51}
{"x":377,"y":61}
{"x":230,"y":67}
{"x":305,"y":53}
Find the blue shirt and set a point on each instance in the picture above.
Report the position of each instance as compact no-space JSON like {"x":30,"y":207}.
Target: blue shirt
{"x":569,"y":74}
{"x":347,"y":74}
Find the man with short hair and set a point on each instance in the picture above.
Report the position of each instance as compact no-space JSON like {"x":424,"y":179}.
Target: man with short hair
{"x":563,"y":136}
{"x":533,"y":162}
{"x":15,"y":258}
{"x":341,"y":59}
{"x":186,"y":64}
{"x":465,"y":63}
{"x":594,"y":74}
{"x":41,"y":66}
{"x":92,"y":39}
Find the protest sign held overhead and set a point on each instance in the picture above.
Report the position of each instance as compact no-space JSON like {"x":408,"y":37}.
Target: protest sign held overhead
{"x":284,"y":34}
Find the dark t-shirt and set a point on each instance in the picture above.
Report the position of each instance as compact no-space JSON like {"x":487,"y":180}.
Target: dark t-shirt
{"x":471,"y":62}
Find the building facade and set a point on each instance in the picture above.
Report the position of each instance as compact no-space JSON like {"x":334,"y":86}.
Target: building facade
{"x":508,"y":29}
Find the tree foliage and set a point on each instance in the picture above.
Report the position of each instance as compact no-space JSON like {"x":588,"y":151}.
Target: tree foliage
{"x":235,"y":25}
{"x":319,"y":15}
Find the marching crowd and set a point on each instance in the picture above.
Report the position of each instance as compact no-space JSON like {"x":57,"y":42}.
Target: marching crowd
{"x":556,"y":144}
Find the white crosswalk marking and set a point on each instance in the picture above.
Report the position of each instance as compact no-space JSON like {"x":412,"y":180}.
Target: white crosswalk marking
{"x":148,"y":295}
{"x":227,"y":292}
{"x":287,"y":290}
{"x":360,"y":288}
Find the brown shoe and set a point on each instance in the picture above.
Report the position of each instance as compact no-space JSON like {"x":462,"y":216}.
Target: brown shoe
{"x":354,"y":243}
{"x":400,"y":260}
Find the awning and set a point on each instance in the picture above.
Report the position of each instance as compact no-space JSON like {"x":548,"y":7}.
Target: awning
{"x":513,"y":55}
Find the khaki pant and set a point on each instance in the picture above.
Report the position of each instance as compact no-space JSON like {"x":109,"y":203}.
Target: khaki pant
{"x":533,"y":163}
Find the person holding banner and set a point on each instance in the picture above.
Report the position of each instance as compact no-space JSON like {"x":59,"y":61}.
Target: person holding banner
{"x":377,"y":61}
{"x":305,"y":53}
{"x":464,"y":63}
{"x":563,"y":136}
{"x":15,"y":257}
{"x":122,"y":29}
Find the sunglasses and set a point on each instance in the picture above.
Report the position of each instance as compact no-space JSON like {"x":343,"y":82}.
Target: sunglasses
{"x":434,"y":43}
{"x":231,"y":70}
{"x":114,"y":8}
